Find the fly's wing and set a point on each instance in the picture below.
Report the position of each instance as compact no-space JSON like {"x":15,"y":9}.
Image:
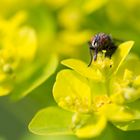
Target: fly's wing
{"x":117,"y":40}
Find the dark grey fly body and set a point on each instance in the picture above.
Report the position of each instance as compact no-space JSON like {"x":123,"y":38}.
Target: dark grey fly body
{"x":100,"y":42}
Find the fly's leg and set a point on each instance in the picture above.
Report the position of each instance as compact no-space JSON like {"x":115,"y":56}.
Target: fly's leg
{"x":91,"y":49}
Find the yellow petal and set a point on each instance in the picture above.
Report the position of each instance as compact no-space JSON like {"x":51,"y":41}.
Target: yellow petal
{"x":83,"y":69}
{"x":121,"y":53}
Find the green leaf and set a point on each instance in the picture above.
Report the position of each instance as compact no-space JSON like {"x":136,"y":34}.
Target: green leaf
{"x":51,"y":121}
{"x":120,"y":54}
{"x":117,"y":113}
{"x":35,"y":79}
{"x":127,"y":126}
{"x":93,"y":127}
{"x":135,"y":106}
{"x":83,"y":69}
{"x":131,"y":63}
{"x":71,"y":91}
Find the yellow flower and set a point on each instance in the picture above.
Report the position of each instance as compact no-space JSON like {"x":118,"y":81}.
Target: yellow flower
{"x":87,"y":93}
{"x":19,"y":60}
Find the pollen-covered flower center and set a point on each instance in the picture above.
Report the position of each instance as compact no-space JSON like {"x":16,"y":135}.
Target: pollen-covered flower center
{"x":127,"y":88}
{"x":76,"y":104}
{"x":100,"y":101}
{"x":103,"y":63}
{"x":130,"y":90}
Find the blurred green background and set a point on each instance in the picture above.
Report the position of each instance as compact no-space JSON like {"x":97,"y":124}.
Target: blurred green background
{"x":63,"y":28}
